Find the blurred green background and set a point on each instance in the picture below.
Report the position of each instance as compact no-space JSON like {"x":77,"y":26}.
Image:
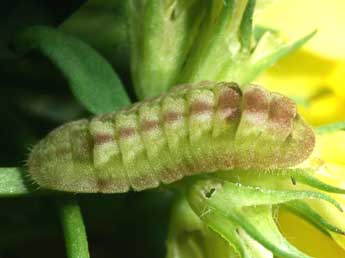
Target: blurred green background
{"x":34,"y":99}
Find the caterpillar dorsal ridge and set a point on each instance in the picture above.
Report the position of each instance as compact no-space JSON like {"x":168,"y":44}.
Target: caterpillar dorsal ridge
{"x":192,"y":129}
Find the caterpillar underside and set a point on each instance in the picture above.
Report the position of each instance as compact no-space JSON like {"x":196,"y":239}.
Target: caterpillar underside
{"x":191,"y":129}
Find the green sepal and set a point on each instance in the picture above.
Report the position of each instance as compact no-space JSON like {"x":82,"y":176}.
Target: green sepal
{"x":237,"y":238}
{"x":239,"y":195}
{"x":189,"y":237}
{"x":329,"y":128}
{"x":218,"y":45}
{"x":248,"y":207}
{"x":246,"y":27}
{"x":305,"y":211}
{"x":90,"y":77}
{"x":161,"y":34}
{"x":267,"y":52}
{"x":278,"y":179}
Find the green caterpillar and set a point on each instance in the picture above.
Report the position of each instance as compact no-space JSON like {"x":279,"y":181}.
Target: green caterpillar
{"x":192,"y":129}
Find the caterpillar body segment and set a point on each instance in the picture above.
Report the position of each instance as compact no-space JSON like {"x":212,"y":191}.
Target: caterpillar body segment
{"x":192,"y":129}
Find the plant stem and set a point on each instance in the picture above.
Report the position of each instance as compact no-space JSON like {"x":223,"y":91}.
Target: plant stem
{"x":13,"y":183}
{"x":73,"y":228}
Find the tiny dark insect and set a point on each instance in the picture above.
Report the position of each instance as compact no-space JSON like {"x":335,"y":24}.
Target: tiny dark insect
{"x":192,"y":129}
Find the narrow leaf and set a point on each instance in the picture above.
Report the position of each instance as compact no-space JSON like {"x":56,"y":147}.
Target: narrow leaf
{"x":91,"y":78}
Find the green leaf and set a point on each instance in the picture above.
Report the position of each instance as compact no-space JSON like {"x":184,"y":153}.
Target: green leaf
{"x":14,"y":182}
{"x":73,"y":228}
{"x":329,"y":128}
{"x":111,"y":40}
{"x":90,"y":77}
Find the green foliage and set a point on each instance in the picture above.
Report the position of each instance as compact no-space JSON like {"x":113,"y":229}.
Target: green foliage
{"x":90,"y":77}
{"x":170,"y":42}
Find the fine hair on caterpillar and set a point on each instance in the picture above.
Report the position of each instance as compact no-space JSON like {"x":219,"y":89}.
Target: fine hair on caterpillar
{"x":192,"y":129}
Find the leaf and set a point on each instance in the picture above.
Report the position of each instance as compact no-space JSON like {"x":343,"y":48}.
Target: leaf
{"x":73,"y":228}
{"x":90,"y":77}
{"x":111,"y":40}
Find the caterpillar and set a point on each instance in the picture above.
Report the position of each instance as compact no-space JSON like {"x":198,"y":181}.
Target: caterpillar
{"x":192,"y":129}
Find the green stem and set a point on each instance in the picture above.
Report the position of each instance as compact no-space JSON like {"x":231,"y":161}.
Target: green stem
{"x":73,"y":228}
{"x":13,"y":182}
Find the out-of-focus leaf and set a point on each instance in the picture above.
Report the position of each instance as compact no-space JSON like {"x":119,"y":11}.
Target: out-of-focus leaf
{"x":90,"y":77}
{"x":107,"y":20}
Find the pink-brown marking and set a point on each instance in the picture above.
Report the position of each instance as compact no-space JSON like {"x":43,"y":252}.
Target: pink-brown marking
{"x":148,"y":125}
{"x":256,"y":100}
{"x":102,"y":138}
{"x":282,"y":111}
{"x":200,"y":107}
{"x":229,"y":103}
{"x":172,"y":116}
{"x":126,"y":132}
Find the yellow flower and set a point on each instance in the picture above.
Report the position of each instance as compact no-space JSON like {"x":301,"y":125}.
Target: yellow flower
{"x":331,"y":149}
{"x":314,"y":77}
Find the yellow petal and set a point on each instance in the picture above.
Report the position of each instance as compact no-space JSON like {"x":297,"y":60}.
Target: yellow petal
{"x":330,"y":148}
{"x":324,"y":109}
{"x":296,"y":18}
{"x":299,"y":75}
{"x":332,"y":151}
{"x":307,"y":238}
{"x":336,"y":79}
